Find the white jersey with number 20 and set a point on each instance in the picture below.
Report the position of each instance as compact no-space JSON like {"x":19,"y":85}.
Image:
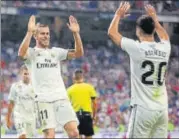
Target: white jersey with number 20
{"x":148,"y":63}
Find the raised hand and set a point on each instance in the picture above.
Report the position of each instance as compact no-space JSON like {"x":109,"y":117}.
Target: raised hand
{"x":123,"y":9}
{"x":150,"y":11}
{"x":31,"y":24}
{"x":73,"y":24}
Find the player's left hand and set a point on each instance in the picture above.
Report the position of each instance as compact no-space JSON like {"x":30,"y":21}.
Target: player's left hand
{"x":73,"y":24}
{"x":123,"y":9}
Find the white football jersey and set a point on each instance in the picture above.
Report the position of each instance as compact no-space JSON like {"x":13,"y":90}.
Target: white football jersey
{"x":45,"y":71}
{"x":23,"y":96}
{"x":148,"y":64}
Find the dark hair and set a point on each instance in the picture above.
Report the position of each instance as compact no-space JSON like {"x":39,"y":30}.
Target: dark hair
{"x":78,"y":74}
{"x":146,"y":23}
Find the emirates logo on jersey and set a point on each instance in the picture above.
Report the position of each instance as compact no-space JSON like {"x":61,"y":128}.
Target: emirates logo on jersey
{"x":47,"y":64}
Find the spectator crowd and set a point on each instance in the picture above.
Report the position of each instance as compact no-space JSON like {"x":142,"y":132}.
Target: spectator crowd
{"x":104,"y":6}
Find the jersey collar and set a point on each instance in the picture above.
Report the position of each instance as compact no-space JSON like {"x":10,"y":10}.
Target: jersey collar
{"x":37,"y":48}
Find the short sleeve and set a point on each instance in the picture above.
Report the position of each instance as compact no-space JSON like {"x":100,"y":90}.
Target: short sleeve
{"x":130,"y":46}
{"x":92,"y":92}
{"x":166,"y":43}
{"x":12,"y":93}
{"x":61,"y":53}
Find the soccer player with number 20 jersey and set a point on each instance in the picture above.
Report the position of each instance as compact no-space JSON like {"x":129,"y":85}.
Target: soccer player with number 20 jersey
{"x":148,"y":63}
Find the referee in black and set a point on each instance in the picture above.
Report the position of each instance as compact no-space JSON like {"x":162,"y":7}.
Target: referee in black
{"x":83,"y":99}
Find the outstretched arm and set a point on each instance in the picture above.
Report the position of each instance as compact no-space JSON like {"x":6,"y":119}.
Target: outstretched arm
{"x":113,"y":28}
{"x":26,"y":41}
{"x":74,"y":27}
{"x":161,"y":32}
{"x":94,"y":108}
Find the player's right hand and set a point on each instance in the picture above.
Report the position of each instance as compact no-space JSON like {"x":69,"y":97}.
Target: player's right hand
{"x":31,"y":24}
{"x":123,"y":9}
{"x":73,"y":24}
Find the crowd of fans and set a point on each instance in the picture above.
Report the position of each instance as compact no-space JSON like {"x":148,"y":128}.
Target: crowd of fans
{"x":107,"y":68}
{"x":161,"y":5}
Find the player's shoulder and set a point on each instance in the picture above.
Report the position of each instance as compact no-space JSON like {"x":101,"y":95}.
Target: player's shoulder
{"x":56,"y":48}
{"x":15,"y":84}
{"x":165,"y":43}
{"x":129,"y":40}
{"x":33,"y":48}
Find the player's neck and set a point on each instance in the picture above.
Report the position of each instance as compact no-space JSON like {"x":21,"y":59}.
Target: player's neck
{"x":147,"y":39}
{"x":79,"y":81}
{"x":26,"y":82}
{"x":40,"y":46}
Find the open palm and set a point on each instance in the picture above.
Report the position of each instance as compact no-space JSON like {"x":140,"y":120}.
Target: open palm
{"x":150,"y":11}
{"x":31,"y":24}
{"x":123,"y":9}
{"x":73,"y":24}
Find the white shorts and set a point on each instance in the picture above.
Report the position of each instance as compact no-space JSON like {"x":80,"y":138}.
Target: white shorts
{"x":56,"y":113}
{"x":25,"y":127}
{"x":145,"y":123}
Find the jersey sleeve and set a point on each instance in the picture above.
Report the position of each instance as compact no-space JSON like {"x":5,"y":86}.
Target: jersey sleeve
{"x":93,"y":93}
{"x":166,"y":43}
{"x":12,"y":93}
{"x":130,"y":46}
{"x":61,"y":53}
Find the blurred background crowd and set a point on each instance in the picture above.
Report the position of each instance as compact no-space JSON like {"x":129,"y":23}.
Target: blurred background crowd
{"x":105,"y":65}
{"x":105,"y":5}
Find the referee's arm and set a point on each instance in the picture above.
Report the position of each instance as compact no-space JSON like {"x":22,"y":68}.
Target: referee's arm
{"x":94,"y":107}
{"x":94,"y":102}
